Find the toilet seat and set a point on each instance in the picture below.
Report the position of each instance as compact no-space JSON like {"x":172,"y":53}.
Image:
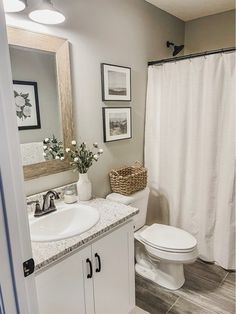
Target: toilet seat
{"x":168,"y":238}
{"x":166,"y":254}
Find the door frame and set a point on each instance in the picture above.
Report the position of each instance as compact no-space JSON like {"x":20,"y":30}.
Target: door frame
{"x":16,"y":245}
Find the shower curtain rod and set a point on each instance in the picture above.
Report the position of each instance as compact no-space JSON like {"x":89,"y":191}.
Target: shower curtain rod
{"x":194,"y":55}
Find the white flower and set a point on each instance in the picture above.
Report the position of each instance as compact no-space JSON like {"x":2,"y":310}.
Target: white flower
{"x":76,"y":159}
{"x":44,"y":154}
{"x":62,"y":158}
{"x":95,"y":157}
{"x":19,"y":101}
{"x":95,"y":145}
{"x":73,"y":142}
{"x":100,"y":150}
{"x":45,"y":147}
{"x":27,"y":111}
{"x":18,"y":109}
{"x":67,"y":150}
{"x":46,"y":140}
{"x":57,"y":157}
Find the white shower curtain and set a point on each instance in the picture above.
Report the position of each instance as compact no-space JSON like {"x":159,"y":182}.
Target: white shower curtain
{"x":190,"y":149}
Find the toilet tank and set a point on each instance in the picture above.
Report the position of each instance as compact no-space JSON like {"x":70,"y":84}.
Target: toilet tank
{"x":138,"y":200}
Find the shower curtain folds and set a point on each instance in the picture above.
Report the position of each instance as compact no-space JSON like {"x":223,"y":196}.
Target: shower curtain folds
{"x":190,"y":149}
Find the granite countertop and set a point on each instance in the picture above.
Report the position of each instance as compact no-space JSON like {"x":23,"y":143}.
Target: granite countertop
{"x":111,"y":215}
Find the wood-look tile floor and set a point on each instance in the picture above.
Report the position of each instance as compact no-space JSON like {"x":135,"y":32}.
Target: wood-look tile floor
{"x":208,"y":289}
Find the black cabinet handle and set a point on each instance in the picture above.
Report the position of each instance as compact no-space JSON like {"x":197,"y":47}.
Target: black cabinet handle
{"x":98,"y":269}
{"x":90,"y":275}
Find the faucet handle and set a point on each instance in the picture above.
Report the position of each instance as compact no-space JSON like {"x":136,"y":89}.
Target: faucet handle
{"x":32,"y":202}
{"x":38,"y":211}
{"x":57,"y":195}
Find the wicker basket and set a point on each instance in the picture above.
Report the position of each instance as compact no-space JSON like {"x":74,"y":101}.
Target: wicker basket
{"x":128,"y":180}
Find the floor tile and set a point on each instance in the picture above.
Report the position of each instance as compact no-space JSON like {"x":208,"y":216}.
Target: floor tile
{"x":208,"y":288}
{"x":137,"y":310}
{"x":206,"y":270}
{"x":228,"y":288}
{"x":231,"y":277}
{"x":152,"y":297}
{"x":148,"y":307}
{"x":207,"y":294}
{"x":182,"y":306}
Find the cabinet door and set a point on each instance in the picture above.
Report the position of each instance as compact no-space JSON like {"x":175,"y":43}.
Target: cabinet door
{"x":65,"y":288}
{"x":114,"y":288}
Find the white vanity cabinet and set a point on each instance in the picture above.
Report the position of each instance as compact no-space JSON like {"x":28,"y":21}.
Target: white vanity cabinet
{"x":63,"y":287}
{"x":66,"y":287}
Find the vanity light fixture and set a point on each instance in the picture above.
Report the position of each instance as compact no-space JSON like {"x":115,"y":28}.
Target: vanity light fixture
{"x":12,"y":6}
{"x":46,"y":13}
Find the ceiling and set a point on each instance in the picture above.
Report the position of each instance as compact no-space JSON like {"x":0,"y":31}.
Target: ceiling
{"x":188,"y":10}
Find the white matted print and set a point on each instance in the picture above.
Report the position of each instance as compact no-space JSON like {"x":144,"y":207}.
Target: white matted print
{"x":27,"y":105}
{"x":117,"y":124}
{"x":116,"y":82}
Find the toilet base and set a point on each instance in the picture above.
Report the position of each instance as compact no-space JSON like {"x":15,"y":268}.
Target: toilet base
{"x":167,"y":275}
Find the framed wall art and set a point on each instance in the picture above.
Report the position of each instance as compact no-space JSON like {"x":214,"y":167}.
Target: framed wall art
{"x":116,"y":82}
{"x":117,"y":124}
{"x":27,"y":105}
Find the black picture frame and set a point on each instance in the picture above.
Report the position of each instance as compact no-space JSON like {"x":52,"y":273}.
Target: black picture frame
{"x":37,"y":125}
{"x":118,"y":137}
{"x":105,"y":82}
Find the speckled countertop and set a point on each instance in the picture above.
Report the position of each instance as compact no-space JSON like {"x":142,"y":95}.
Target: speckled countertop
{"x":111,"y":215}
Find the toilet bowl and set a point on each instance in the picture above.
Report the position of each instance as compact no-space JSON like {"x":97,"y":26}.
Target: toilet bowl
{"x":161,"y":250}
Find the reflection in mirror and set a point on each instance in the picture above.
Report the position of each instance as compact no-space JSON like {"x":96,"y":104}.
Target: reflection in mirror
{"x":43,"y":97}
{"x":36,"y":99}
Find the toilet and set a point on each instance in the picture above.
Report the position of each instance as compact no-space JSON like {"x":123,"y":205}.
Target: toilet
{"x":161,"y":250}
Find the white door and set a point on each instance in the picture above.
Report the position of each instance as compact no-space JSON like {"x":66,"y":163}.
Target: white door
{"x":67,"y":287}
{"x":113,"y":258}
{"x":8,"y":302}
{"x":17,"y":292}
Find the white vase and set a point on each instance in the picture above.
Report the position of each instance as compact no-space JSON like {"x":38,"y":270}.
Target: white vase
{"x":84,"y":187}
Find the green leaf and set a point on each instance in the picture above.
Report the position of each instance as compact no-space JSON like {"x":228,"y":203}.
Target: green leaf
{"x":18,"y":113}
{"x":25,"y":96}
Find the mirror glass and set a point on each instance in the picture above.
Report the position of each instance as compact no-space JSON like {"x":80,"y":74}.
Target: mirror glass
{"x":36,"y":100}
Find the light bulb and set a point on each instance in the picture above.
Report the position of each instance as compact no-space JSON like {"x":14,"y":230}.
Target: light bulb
{"x":46,"y":14}
{"x":11,"y":6}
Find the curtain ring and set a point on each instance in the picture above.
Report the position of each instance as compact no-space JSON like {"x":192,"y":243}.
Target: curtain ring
{"x":222,"y":51}
{"x":205,"y":55}
{"x":190,"y":58}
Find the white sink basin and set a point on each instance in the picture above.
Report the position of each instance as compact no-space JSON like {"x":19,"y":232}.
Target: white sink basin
{"x":66,"y":222}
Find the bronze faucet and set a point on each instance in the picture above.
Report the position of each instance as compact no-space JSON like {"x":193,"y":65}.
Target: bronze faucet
{"x":48,"y":204}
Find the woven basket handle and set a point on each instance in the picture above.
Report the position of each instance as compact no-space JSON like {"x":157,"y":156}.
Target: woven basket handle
{"x":137,"y":164}
{"x":114,"y":172}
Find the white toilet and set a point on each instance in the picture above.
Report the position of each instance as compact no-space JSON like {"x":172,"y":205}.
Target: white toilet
{"x":161,"y":250}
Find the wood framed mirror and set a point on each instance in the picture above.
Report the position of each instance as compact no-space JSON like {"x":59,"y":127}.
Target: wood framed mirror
{"x":59,"y":49}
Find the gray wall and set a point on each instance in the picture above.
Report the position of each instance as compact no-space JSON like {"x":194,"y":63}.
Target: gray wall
{"x":210,"y":32}
{"x":122,"y":32}
{"x":30,"y":65}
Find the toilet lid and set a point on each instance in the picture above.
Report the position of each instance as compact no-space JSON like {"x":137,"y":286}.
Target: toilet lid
{"x":168,"y":238}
